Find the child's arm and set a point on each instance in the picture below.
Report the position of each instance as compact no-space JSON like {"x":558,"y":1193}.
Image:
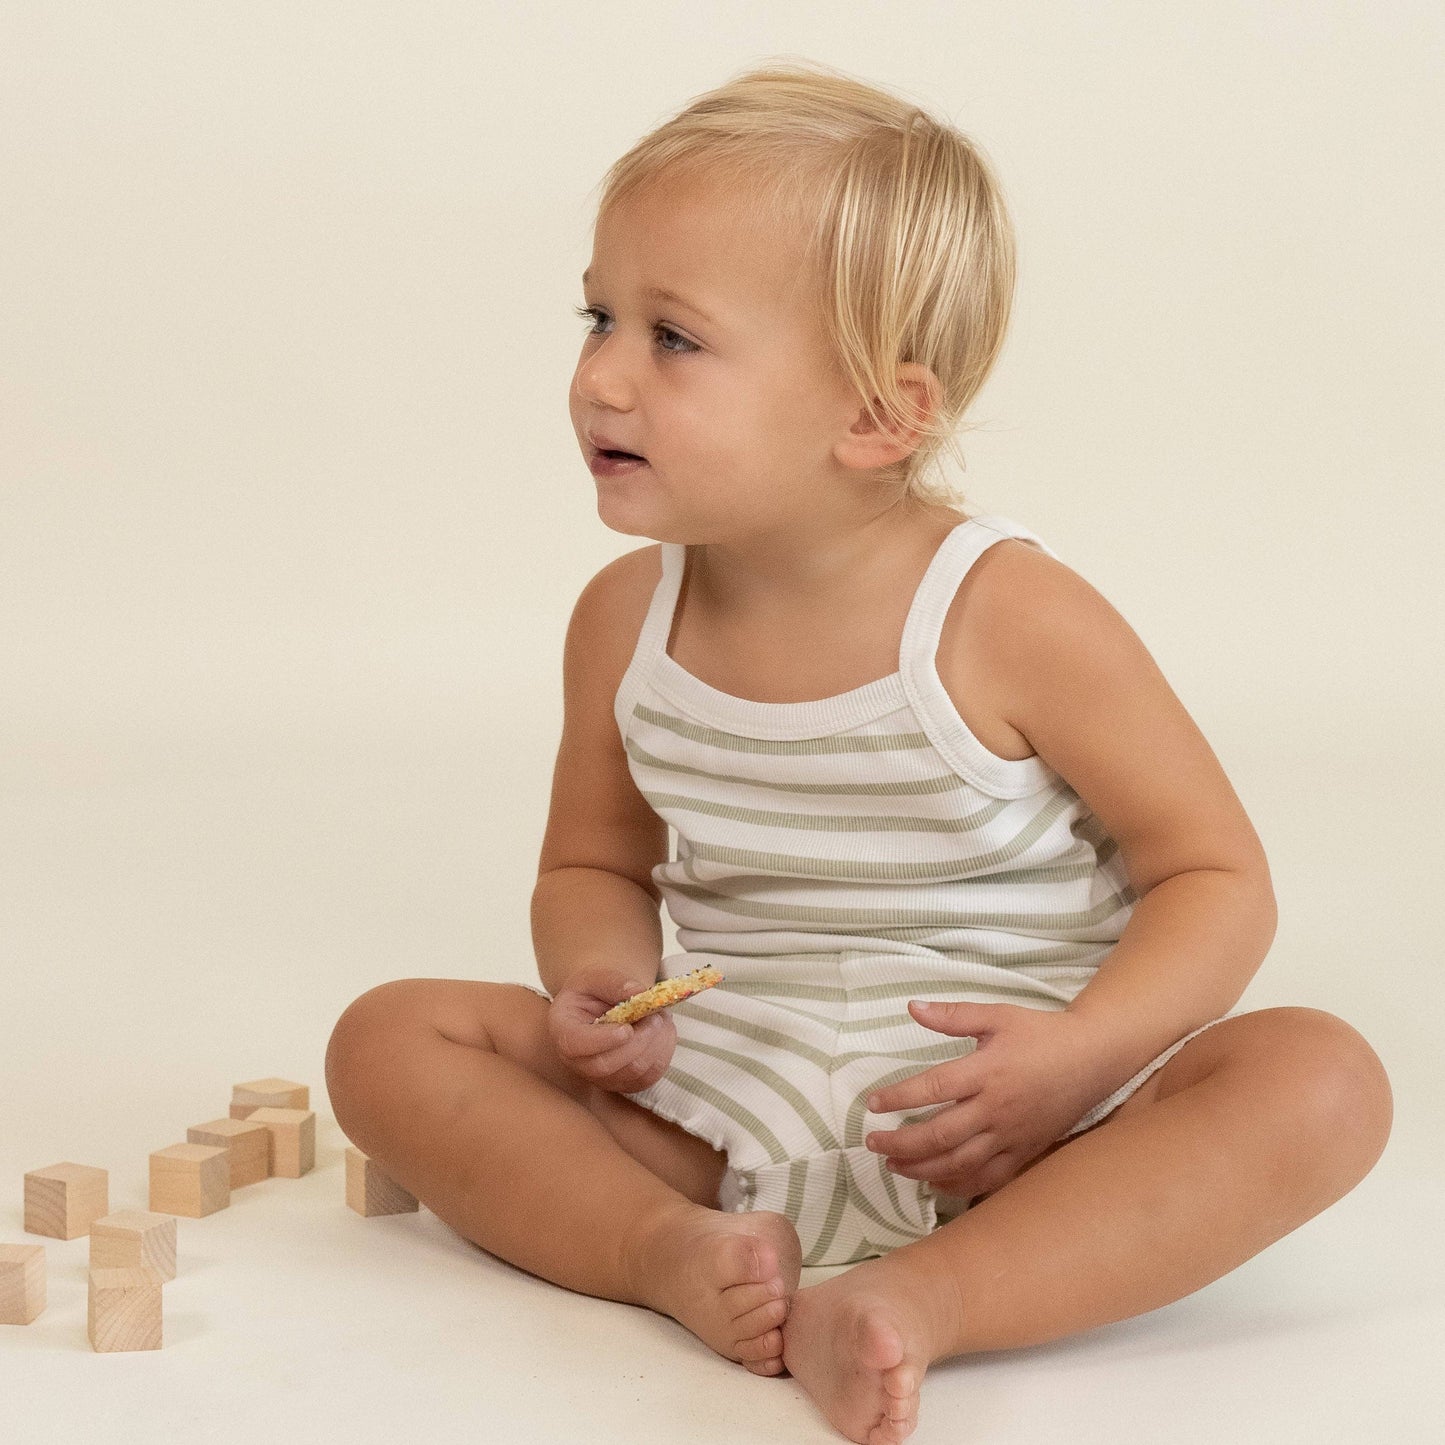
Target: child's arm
{"x":1083,"y":689}
{"x":1089,"y":697}
{"x":594,"y":902}
{"x":1190,"y":948}
{"x":582,"y":917}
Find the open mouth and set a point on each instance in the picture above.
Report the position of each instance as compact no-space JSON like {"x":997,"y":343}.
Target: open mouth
{"x":621,"y":456}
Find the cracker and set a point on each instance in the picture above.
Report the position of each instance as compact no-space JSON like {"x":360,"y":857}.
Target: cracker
{"x":666,"y":991}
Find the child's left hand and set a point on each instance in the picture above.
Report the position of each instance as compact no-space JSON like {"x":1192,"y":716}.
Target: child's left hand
{"x":1034,"y":1074}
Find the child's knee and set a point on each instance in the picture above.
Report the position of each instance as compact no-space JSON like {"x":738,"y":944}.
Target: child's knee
{"x":1341,"y":1091}
{"x":351,"y":1050}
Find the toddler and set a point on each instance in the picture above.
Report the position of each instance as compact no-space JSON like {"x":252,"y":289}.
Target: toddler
{"x":982,"y":897}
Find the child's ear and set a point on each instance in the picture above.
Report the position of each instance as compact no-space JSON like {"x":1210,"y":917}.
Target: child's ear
{"x":869,"y":446}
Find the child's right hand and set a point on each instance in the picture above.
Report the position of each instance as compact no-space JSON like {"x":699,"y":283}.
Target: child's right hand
{"x":621,"y":1058}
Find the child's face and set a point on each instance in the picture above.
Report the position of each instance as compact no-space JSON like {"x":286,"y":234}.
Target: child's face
{"x":733,"y":404}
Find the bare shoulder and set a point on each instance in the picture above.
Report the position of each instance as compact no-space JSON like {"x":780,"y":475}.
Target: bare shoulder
{"x":638,"y":572}
{"x":968,"y":659}
{"x":1014,"y":584}
{"x":605,"y":625}
{"x":597,"y":817}
{"x":1034,"y":620}
{"x":1067,"y":671}
{"x":613,"y":605}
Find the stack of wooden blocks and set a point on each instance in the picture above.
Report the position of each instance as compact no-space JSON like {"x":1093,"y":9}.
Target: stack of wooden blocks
{"x":269,"y":1133}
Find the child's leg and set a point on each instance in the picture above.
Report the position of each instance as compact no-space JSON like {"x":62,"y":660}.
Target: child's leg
{"x":1248,"y":1131}
{"x":453,"y":1087}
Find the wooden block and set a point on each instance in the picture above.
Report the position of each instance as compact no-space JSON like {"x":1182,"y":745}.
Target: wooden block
{"x":268,"y":1094}
{"x":63,"y":1200}
{"x":248,"y":1143}
{"x":190,"y":1179}
{"x":369,"y":1191}
{"x":22,"y":1282}
{"x":131,"y":1238}
{"x":293,"y":1140}
{"x":125,"y":1309}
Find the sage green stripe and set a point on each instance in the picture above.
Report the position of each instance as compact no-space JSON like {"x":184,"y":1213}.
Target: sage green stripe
{"x":811,"y":868}
{"x":762,"y":988}
{"x":819,"y":1251}
{"x":784,"y":1088}
{"x":828,"y":1063}
{"x":876,"y":919}
{"x":735,"y":1111}
{"x":867,"y":1250}
{"x":1045,"y":956}
{"x":822,"y":1020}
{"x":757,"y":1033}
{"x":864,"y":1205}
{"x":890,"y":1183}
{"x":797,"y":1188}
{"x":900,"y":987}
{"x":957,"y":870}
{"x":901,"y":990}
{"x":889,"y":787}
{"x":1001,"y":991}
{"x":1061,"y":953}
{"x":1004,"y":993}
{"x":844,"y":1178}
{"x":853,"y":1120}
{"x":786,"y":747}
{"x":1055,"y":804}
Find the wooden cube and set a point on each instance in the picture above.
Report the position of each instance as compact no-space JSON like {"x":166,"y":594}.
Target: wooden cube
{"x":125,"y":1309}
{"x":268,"y":1094}
{"x":190,"y":1179}
{"x":369,"y":1191}
{"x":22,"y":1282}
{"x":248,"y":1143}
{"x":131,"y":1238}
{"x":64,"y":1199}
{"x":293,"y":1140}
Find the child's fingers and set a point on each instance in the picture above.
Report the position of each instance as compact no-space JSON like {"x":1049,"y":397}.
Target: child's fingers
{"x":602,"y":1066}
{"x":944,"y":1083}
{"x":622,"y":1057}
{"x":587,"y":1040}
{"x":946,"y":1130}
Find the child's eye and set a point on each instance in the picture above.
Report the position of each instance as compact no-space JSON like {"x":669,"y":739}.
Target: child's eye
{"x":595,"y":314}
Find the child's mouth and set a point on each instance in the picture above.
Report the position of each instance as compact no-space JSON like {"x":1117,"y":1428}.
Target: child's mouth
{"x":612,"y":464}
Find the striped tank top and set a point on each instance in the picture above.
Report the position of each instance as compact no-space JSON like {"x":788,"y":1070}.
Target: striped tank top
{"x":871,"y":823}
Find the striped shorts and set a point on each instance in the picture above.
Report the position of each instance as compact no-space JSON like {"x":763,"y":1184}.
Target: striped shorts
{"x":773,"y":1068}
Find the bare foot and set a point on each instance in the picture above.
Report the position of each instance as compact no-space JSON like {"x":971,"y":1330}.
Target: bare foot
{"x":729,"y":1278}
{"x":860,"y":1350}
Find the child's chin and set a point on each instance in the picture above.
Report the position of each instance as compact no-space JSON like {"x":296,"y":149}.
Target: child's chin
{"x":616,"y":514}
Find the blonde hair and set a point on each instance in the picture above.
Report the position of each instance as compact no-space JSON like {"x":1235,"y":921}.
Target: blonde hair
{"x":906,"y":239}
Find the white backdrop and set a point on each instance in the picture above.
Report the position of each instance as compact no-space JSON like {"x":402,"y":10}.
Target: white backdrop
{"x":293,"y":516}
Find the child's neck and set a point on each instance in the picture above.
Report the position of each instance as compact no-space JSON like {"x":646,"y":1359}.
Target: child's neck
{"x":833,"y":563}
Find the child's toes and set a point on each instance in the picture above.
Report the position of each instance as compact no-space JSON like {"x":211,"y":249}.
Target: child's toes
{"x":764,"y":1367}
{"x":742,"y":1258}
{"x":759,"y":1321}
{"x":761,"y":1347}
{"x":740,"y":1299}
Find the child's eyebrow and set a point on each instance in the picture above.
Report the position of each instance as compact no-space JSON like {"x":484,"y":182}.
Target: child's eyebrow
{"x":661,"y":293}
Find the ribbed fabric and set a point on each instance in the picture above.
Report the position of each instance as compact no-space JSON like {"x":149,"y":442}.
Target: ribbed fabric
{"x":835,"y":859}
